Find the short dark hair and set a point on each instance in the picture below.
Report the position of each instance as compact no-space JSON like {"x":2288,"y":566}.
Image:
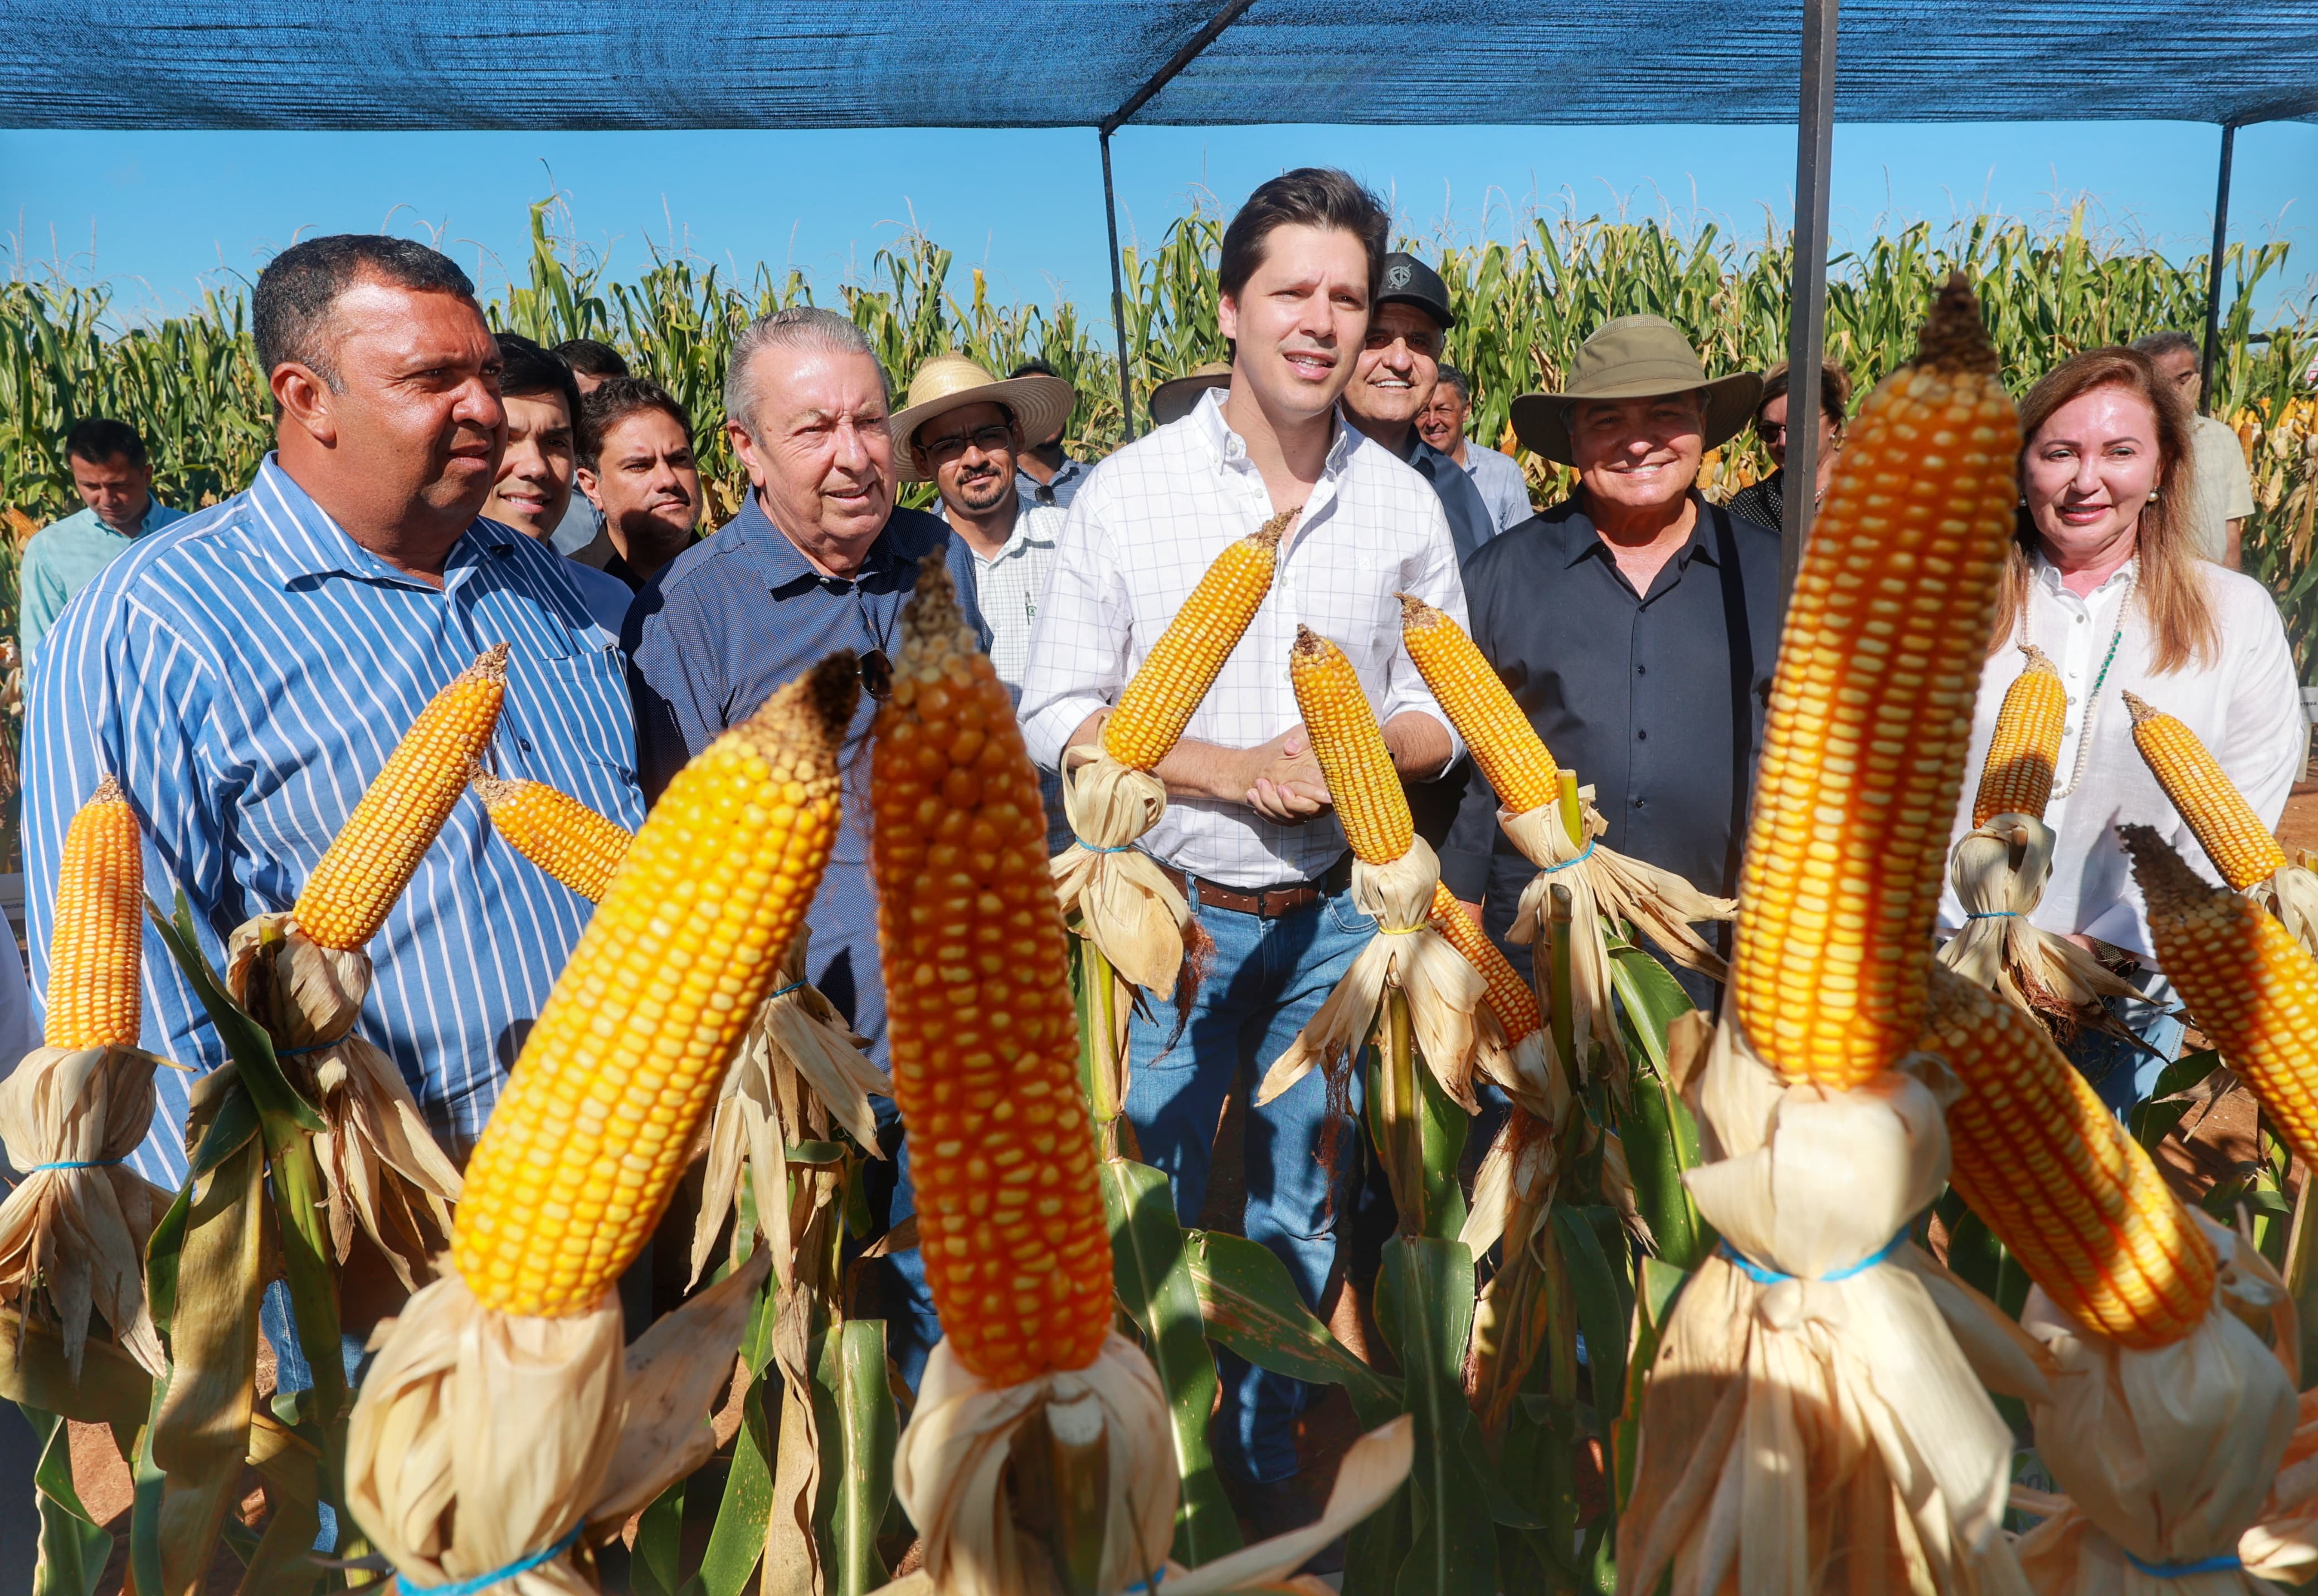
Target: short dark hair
{"x":525,"y":369}
{"x":616,"y":399}
{"x":1459,"y":381}
{"x":1032,"y":368}
{"x":1834,"y":391}
{"x":590,"y":358}
{"x":97,"y":440}
{"x":290,"y":312}
{"x":1309,"y":196}
{"x":2157,"y":345}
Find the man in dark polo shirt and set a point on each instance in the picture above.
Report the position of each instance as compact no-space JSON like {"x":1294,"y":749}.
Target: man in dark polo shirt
{"x":818,"y":559}
{"x":1636,"y":623}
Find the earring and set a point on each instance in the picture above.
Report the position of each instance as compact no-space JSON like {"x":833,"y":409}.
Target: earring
{"x":2152,"y":495}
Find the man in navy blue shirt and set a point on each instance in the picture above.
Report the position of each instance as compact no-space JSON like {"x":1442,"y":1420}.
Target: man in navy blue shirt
{"x":818,"y":559}
{"x":1636,"y":623}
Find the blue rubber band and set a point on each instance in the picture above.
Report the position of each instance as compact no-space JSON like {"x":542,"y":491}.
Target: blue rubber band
{"x":1993,"y":915}
{"x":1566,"y":863}
{"x":485,"y":1581}
{"x":1151,"y":1584}
{"x":319,"y":1047}
{"x":1122,"y":848}
{"x":2227,"y":1563}
{"x":78,"y":1164}
{"x":784,"y":992}
{"x":1763,"y":1277}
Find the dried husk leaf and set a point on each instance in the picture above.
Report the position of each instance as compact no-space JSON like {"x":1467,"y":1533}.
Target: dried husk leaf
{"x":950,"y":1473}
{"x":380,"y":1165}
{"x":1444,"y":990}
{"x":482,"y":1438}
{"x":2283,"y":1544}
{"x":1372,"y":1470}
{"x":1815,"y":1435}
{"x":2292,"y":895}
{"x":73,"y":1241}
{"x":1998,"y":871}
{"x":1128,"y":907}
{"x":2167,"y":1455}
{"x":1661,"y":904}
{"x":1528,"y":1070}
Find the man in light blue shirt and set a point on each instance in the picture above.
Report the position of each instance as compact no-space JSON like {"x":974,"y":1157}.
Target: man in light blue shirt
{"x":1043,"y":475}
{"x":1499,"y":478}
{"x":116,"y":486}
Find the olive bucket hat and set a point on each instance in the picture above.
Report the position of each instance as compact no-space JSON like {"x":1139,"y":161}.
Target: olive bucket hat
{"x":1634,"y":357}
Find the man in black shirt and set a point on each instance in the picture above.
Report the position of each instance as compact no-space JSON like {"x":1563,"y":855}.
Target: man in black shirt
{"x":1636,"y":624}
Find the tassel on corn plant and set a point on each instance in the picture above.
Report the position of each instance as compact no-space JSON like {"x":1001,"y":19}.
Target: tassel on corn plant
{"x":502,"y":1424}
{"x":1999,"y":870}
{"x":2226,"y":827}
{"x":74,"y":1228}
{"x":304,"y":975}
{"x":1606,"y":887}
{"x":2161,"y":1414}
{"x":1039,"y":1457}
{"x":1781,"y":1435}
{"x":555,"y":831}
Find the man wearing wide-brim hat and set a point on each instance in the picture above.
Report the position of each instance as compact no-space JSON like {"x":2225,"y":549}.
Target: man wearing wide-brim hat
{"x":965,"y":430}
{"x":1636,"y":622}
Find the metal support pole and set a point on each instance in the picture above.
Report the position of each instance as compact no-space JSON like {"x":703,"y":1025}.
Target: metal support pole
{"x":2214,"y":269}
{"x":1117,"y":293}
{"x":1807,"y":325}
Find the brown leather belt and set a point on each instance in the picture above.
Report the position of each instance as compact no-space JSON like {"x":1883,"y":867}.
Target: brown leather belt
{"x":1267,"y":903}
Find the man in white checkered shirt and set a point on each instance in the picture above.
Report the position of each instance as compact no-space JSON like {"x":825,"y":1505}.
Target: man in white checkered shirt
{"x":1248,"y":829}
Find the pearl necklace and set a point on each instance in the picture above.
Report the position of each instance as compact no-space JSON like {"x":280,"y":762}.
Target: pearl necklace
{"x":2092,"y":699}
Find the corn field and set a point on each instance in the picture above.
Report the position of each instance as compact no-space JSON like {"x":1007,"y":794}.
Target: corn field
{"x":190,"y":383}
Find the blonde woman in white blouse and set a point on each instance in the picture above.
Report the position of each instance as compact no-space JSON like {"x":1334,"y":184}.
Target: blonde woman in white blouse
{"x":2104,"y":579}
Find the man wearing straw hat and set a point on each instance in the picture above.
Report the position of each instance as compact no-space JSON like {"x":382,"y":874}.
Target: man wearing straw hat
{"x":1636,"y":623}
{"x":964,"y":430}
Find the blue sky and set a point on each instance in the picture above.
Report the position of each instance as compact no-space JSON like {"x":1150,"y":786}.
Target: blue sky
{"x":159,"y":215}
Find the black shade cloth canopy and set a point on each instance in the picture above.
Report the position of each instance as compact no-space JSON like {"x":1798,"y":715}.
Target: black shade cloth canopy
{"x":634,"y":64}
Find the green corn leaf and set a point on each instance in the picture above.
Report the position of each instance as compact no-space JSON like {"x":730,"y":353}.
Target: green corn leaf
{"x":1251,"y":1306}
{"x":245,"y":1040}
{"x":70,"y":1557}
{"x":1424,"y":1306}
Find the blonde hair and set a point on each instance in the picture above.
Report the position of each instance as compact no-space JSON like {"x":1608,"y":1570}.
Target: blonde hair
{"x":2169,"y":589}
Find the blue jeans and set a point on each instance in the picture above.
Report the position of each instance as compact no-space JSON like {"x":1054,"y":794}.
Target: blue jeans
{"x":912,"y":1325}
{"x":292,"y":1373}
{"x":2122,"y":1076}
{"x":1270,"y":977}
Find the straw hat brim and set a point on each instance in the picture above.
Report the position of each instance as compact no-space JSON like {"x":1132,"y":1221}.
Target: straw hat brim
{"x":1542,"y":421}
{"x":1040,"y":404}
{"x":1178,"y":397}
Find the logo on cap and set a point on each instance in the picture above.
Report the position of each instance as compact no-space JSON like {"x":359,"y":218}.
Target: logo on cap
{"x":1395,"y":276}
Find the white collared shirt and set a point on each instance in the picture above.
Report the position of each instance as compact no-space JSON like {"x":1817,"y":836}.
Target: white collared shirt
{"x":1141,"y":532}
{"x":2246,"y":707}
{"x":1012,"y":583}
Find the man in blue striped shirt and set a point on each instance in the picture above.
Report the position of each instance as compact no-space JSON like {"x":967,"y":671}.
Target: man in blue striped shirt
{"x":246,"y":672}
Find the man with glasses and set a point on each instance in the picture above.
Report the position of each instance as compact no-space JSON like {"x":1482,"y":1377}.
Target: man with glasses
{"x":964,"y":431}
{"x":818,"y":559}
{"x":1393,"y":381}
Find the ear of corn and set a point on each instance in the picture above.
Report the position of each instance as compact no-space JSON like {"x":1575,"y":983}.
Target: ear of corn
{"x":2017,"y":778}
{"x":555,"y":831}
{"x":1510,"y":998}
{"x":984,"y":1033}
{"x":2073,"y":1198}
{"x":581,"y":1154}
{"x":1871,"y":713}
{"x":2224,"y":824}
{"x":2248,"y":985}
{"x":1365,"y":788}
{"x":1478,"y":703}
{"x":1175,"y":675}
{"x":93,"y":999}
{"x":377,"y":850}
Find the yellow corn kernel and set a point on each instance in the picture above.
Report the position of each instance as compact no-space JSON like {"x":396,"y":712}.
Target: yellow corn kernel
{"x":1175,"y":675}
{"x":94,"y":950}
{"x":555,"y":831}
{"x":1870,"y":718}
{"x":1348,"y":742}
{"x":2224,"y":824}
{"x":2248,"y":985}
{"x":2074,"y":1198}
{"x":584,"y":1149}
{"x":2017,"y":777}
{"x":1478,"y":703}
{"x":1510,"y":998}
{"x":377,"y":850}
{"x":983,"y":1031}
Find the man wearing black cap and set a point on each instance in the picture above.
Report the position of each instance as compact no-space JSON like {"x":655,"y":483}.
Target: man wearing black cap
{"x":1392,"y":382}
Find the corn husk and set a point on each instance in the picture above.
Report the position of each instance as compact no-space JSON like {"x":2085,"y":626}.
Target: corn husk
{"x":2167,"y":1454}
{"x":1659,"y":903}
{"x":2292,"y":895}
{"x":1444,"y":990}
{"x":72,"y":1241}
{"x":380,"y":1165}
{"x":1126,"y":905}
{"x":2283,"y":1544}
{"x":800,"y":1070}
{"x":1815,"y":1435}
{"x":950,"y":1471}
{"x":1998,"y":871}
{"x":480,"y":1438}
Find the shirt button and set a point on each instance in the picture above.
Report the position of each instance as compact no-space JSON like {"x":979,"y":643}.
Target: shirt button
{"x":2080,"y":620}
{"x":1638,"y":803}
{"x":1640,"y":736}
{"x":522,"y":744}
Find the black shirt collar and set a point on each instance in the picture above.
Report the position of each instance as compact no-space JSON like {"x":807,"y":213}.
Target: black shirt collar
{"x":1579,"y":537}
